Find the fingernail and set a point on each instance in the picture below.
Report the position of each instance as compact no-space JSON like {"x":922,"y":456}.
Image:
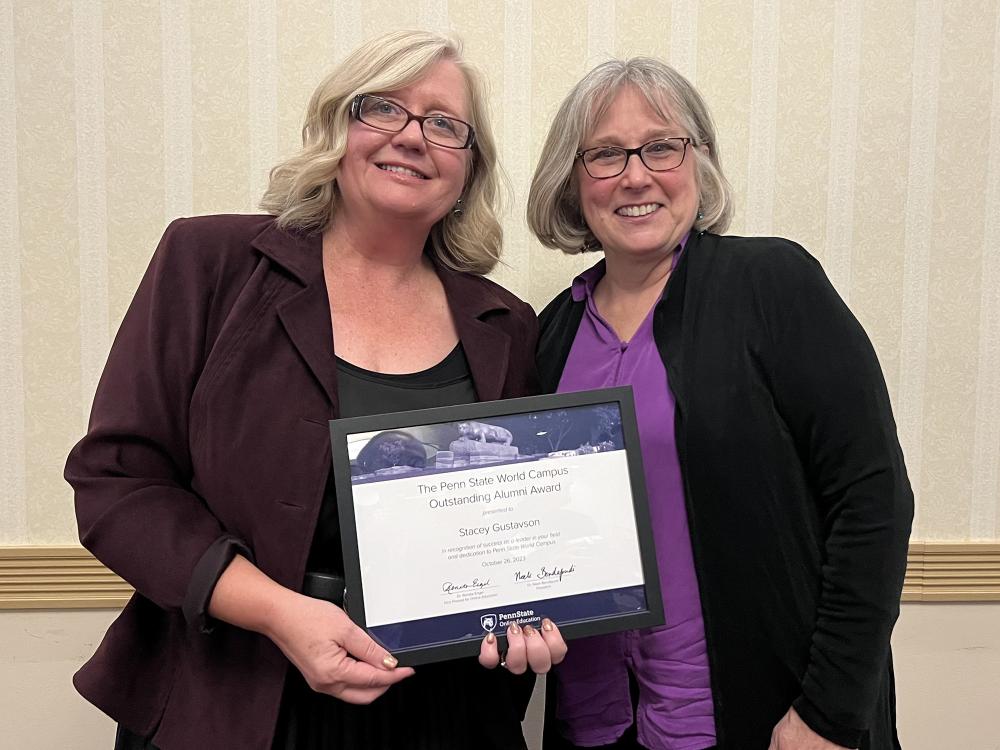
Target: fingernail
{"x":528,"y":630}
{"x":514,"y":629}
{"x":491,"y":639}
{"x":547,"y":625}
{"x":390,"y":662}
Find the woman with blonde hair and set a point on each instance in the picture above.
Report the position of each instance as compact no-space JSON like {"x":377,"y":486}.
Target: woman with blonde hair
{"x":204,"y":479}
{"x":778,"y":495}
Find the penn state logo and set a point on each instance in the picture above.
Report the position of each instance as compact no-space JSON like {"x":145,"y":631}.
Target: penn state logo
{"x":488,"y":622}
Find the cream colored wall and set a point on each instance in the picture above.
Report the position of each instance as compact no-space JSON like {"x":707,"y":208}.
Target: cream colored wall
{"x":869,"y":132}
{"x":947,"y":673}
{"x":40,"y":708}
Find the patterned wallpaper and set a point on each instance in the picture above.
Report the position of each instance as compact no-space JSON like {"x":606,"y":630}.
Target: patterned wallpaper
{"x":869,"y":132}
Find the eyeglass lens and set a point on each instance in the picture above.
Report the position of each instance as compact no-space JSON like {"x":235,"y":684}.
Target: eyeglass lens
{"x":659,"y":156}
{"x":386,"y":115}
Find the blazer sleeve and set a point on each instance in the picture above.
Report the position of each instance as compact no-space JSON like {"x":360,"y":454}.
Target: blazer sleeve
{"x":828,"y":387}
{"x":132,"y":471}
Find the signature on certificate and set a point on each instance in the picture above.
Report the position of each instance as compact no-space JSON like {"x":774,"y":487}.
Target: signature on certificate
{"x":449,"y":587}
{"x":544,"y":573}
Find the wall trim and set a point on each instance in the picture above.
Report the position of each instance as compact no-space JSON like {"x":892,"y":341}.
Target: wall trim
{"x":952,"y":572}
{"x":68,"y":577}
{"x":63,"y":577}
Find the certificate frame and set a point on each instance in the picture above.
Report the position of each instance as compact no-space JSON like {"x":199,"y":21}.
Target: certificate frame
{"x":603,"y":610}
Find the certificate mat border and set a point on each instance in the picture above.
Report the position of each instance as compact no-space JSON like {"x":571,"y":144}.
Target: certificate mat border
{"x":622,"y":395}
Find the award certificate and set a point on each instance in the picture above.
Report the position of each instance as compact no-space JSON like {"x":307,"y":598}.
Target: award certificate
{"x":461,"y":520}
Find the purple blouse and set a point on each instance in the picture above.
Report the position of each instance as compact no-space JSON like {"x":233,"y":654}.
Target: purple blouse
{"x":670,"y":663}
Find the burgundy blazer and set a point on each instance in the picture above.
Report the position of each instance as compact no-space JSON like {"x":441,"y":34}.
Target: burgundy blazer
{"x":209,"y":436}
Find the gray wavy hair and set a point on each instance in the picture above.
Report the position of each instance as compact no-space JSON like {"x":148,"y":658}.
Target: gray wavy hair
{"x":553,"y":202}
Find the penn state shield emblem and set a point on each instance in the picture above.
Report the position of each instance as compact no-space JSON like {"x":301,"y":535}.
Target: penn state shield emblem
{"x":488,"y":622}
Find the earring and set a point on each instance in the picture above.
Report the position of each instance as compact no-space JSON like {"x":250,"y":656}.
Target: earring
{"x":700,"y":215}
{"x":458,"y":210}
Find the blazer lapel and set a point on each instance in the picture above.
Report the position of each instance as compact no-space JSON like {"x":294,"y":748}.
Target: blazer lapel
{"x":306,"y":318}
{"x":488,"y":351}
{"x":305,"y":315}
{"x":487,"y":347}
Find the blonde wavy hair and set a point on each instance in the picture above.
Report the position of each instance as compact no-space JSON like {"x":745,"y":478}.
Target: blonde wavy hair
{"x":303,"y":189}
{"x":554,"y":213}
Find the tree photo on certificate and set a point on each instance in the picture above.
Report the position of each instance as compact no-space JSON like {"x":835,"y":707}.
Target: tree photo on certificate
{"x":497,"y":512}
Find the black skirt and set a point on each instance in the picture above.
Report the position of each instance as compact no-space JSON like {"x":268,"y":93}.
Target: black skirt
{"x":446,"y":706}
{"x":455,"y":705}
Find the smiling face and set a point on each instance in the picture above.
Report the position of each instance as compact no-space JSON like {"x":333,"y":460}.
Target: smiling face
{"x":639,"y":213}
{"x":400,"y":176}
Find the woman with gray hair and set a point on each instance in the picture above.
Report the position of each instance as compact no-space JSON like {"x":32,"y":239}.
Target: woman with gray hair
{"x":778,"y":494}
{"x":204,"y":479}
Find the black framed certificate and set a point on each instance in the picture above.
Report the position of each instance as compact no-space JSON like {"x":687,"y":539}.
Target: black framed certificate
{"x":460,"y":520}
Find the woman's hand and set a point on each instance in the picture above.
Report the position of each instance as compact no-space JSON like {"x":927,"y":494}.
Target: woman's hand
{"x":333,"y":654}
{"x":526,"y":648}
{"x":791,"y":733}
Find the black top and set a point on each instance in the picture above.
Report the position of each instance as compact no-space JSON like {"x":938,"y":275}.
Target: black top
{"x":363,"y":392}
{"x":454,"y":704}
{"x":797,"y":497}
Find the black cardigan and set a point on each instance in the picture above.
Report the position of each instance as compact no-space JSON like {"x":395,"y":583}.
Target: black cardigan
{"x":797,"y":496}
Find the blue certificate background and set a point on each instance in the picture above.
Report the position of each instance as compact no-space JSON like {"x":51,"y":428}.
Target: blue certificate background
{"x":462,"y":626}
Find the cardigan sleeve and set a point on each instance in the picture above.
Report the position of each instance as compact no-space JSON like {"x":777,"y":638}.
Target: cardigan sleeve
{"x":828,"y":387}
{"x":131,"y":473}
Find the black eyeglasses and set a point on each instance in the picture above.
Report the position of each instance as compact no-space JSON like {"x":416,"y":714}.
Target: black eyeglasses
{"x":382,"y":114}
{"x":661,"y":155}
